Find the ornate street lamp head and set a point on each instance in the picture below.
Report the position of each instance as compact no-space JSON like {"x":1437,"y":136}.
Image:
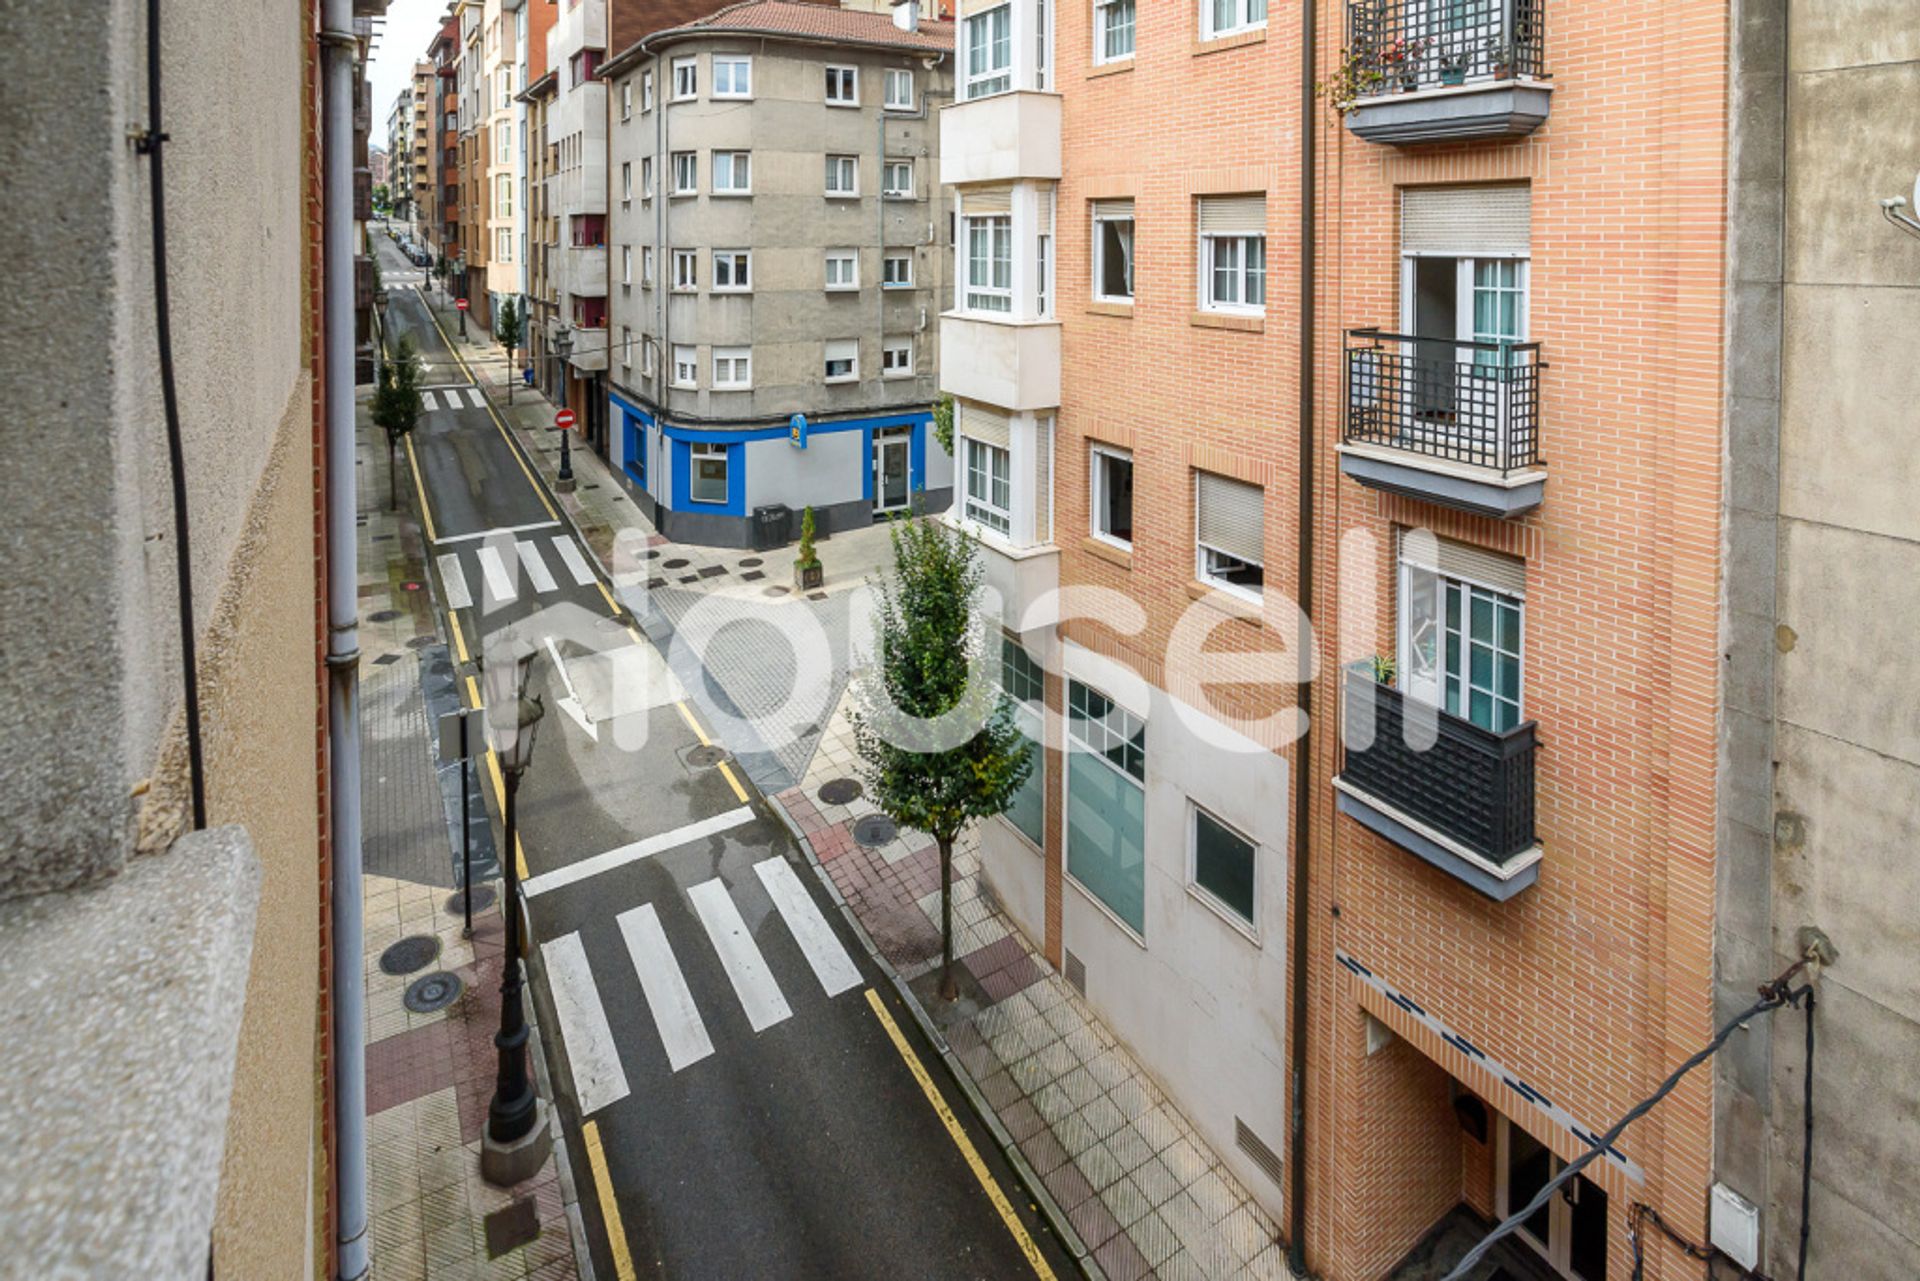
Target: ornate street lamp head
{"x":512,"y":717}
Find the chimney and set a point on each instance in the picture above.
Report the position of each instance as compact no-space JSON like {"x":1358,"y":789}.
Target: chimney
{"x":906,"y":14}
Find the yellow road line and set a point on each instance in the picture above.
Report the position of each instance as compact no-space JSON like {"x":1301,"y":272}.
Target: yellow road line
{"x":726,"y":771}
{"x":960,"y":1140}
{"x":426,"y":513}
{"x":459,"y":638}
{"x":513,"y":446}
{"x":499,"y":785}
{"x":609,"y":1208}
{"x":612,"y":604}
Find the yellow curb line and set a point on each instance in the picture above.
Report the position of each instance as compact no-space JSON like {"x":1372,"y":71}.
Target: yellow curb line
{"x":609,"y":1208}
{"x":961,"y":1141}
{"x":726,"y":771}
{"x":459,"y":638}
{"x":426,"y":513}
{"x":499,"y":785}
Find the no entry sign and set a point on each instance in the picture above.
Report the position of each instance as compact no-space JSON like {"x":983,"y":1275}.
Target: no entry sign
{"x":563,"y":421}
{"x":461,"y":303}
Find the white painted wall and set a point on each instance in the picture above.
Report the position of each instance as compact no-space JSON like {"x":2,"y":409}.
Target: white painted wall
{"x":831,"y":469}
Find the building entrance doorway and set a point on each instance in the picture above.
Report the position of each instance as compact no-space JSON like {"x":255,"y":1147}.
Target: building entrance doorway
{"x":892,"y":455}
{"x":1570,"y":1231}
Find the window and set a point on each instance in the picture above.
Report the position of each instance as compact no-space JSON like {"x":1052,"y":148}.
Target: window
{"x":1042,"y":275}
{"x":1230,"y":529}
{"x":1224,"y":17}
{"x":1461,"y":634}
{"x":732,"y":368}
{"x":1106,"y":803}
{"x":589,"y":230}
{"x":899,"y":87}
{"x":896,"y":358}
{"x":843,"y":87}
{"x":626,"y":100}
{"x":897,"y":178}
{"x":503,"y":196}
{"x":732,"y":76}
{"x":709,"y":478}
{"x":732,"y":173}
{"x":1223,"y":864}
{"x":989,"y":55}
{"x":626,"y":347}
{"x":502,"y":245}
{"x":989,"y":485}
{"x":626,"y":180}
{"x":1233,"y":253}
{"x":686,"y":173}
{"x":1025,"y":684}
{"x":646,"y":359}
{"x":646,"y":266}
{"x":686,"y":370}
{"x":686,"y":79}
{"x":843,"y":269}
{"x":990,"y":263}
{"x":842,"y":360}
{"x":686,"y":270}
{"x":646,"y":177}
{"x":732,"y":271}
{"x":896,"y":271}
{"x":626,"y":264}
{"x":1113,"y":250}
{"x":1113,"y":30}
{"x":646,"y":91}
{"x":843,"y":175}
{"x":1113,"y":496}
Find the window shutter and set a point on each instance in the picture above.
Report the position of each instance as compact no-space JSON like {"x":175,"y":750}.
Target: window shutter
{"x":1043,"y":482}
{"x":988,"y":426}
{"x":1231,"y":517}
{"x":1466,"y":221}
{"x":1233,"y":215}
{"x":1046,"y":211}
{"x":1492,"y":569}
{"x":1113,"y":209}
{"x":986,"y":202}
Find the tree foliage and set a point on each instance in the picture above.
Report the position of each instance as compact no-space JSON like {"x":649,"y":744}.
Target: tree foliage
{"x":507,"y":325}
{"x":396,"y":402}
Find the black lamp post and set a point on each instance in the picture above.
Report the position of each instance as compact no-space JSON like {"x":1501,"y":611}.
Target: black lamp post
{"x":512,"y":721}
{"x":563,"y":348}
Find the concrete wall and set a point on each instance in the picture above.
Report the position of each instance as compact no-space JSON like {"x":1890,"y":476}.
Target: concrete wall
{"x":1820,"y":737}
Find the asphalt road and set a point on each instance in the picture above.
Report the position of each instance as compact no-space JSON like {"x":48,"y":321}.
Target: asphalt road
{"x":743,"y":1094}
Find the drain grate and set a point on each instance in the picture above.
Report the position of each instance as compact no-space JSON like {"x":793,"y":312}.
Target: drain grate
{"x":383,"y":616}
{"x":752,"y":562}
{"x":415,"y":952}
{"x":839,"y":791}
{"x":675,"y":564}
{"x":707,"y":755}
{"x":421,"y":642}
{"x":875,"y":830}
{"x":1076,"y":973}
{"x":776,"y":591}
{"x":482,"y":900}
{"x":433,"y":993}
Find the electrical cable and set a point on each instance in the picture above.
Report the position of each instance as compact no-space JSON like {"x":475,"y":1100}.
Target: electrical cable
{"x":1806,"y":1150}
{"x":150,"y":144}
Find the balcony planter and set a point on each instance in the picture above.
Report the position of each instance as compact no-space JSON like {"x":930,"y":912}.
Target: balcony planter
{"x":1441,"y":76}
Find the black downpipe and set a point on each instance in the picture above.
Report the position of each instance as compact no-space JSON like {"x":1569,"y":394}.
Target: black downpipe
{"x":151,"y":145}
{"x":1302,"y":781}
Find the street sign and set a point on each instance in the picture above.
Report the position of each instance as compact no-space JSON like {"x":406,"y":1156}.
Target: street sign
{"x":563,"y":421}
{"x":456,"y":737}
{"x":461,"y":303}
{"x":797,"y":431}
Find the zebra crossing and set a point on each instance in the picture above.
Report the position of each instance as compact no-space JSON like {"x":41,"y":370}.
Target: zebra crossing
{"x":434,"y":398}
{"x":593,"y":1057}
{"x":505,"y":564}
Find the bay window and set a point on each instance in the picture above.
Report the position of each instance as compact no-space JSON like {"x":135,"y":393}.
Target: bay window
{"x":989,"y":53}
{"x":989,"y":488}
{"x":989,"y":262}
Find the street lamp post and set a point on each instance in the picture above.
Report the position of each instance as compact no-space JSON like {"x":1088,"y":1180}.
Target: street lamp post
{"x":517,"y":1139}
{"x":563,"y":348}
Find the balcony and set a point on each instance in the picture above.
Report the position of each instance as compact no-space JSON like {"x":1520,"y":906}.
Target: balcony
{"x":1011,"y":363}
{"x":1429,"y":72}
{"x":1458,"y":796}
{"x":1449,"y":421}
{"x":1001,"y":138}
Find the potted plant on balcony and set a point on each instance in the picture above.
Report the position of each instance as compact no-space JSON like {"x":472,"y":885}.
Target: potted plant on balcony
{"x":1400,"y":60}
{"x":1500,"y":57}
{"x":808,"y":573}
{"x":1453,"y":67}
{"x":1353,"y":79}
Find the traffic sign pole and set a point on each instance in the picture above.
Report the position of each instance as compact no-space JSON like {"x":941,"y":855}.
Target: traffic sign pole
{"x":563,"y":423}
{"x":461,"y":303}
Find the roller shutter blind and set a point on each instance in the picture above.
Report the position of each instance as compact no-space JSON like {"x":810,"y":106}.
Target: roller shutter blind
{"x":970,"y":7}
{"x":987,"y":426}
{"x":985,"y":202}
{"x":1465,"y":222}
{"x":1233,"y":215}
{"x":1113,"y":209}
{"x":1043,"y":482}
{"x":1455,"y":559}
{"x":1231,"y":518}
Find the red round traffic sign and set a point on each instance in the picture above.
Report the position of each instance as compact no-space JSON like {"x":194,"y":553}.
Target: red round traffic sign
{"x":563,"y":420}
{"x":461,"y":304}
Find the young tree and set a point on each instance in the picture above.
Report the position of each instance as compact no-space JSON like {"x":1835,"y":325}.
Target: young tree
{"x":507,"y":325}
{"x":396,"y":405}
{"x":931,"y":661}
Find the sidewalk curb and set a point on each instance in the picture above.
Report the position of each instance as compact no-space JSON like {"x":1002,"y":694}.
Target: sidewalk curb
{"x":1049,"y":1208}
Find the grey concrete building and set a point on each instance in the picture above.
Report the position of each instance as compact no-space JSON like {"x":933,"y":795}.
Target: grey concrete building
{"x":779,"y":256}
{"x":1820,"y":744}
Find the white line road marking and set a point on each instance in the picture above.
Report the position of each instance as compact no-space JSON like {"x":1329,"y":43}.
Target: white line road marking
{"x":548,"y":881}
{"x":499,"y":581}
{"x":570,"y":701}
{"x":536,"y":567}
{"x":746,"y":968}
{"x":454,"y":579}
{"x":491,"y":533}
{"x":674,"y":1013}
{"x":429,"y":400}
{"x":831,"y":964}
{"x":576,"y":563}
{"x":597,"y":1077}
{"x":479,"y":401}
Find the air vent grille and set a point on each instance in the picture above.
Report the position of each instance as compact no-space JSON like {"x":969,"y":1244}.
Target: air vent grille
{"x":1077,"y":973}
{"x":1256,"y":1148}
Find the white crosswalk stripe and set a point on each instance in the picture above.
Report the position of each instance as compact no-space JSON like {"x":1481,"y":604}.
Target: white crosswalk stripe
{"x":746,"y":969}
{"x":536,"y":567}
{"x":429,"y":400}
{"x":499,"y":581}
{"x":479,"y":401}
{"x":455,"y":580}
{"x":674,"y":1013}
{"x":831,"y":964}
{"x":598,"y":1079}
{"x":569,"y":552}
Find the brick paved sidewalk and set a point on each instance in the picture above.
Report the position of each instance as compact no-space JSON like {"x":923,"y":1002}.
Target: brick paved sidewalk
{"x":429,"y":1075}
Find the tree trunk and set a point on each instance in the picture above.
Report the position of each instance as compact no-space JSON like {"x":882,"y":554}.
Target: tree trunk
{"x":948,"y":988}
{"x":393,"y":498}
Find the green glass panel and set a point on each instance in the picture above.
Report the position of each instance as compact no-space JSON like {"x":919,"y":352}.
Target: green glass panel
{"x":1480,"y":710}
{"x":1509,"y":686}
{"x":1482,"y":614}
{"x":1106,"y":844}
{"x":1223,"y":864}
{"x":1480,"y":667}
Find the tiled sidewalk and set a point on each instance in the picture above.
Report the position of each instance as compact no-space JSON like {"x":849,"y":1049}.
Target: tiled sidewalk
{"x":429,"y":1075}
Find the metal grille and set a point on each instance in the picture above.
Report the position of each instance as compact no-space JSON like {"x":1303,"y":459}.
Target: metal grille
{"x":1472,"y":785}
{"x":1256,"y":1148}
{"x":1453,"y":399}
{"x":1076,"y":973}
{"x":1409,"y":45}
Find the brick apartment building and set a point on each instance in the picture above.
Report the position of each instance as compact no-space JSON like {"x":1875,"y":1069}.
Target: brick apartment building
{"x":441,"y":210}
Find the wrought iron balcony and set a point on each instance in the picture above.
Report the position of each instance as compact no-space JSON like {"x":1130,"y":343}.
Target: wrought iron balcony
{"x":1456,"y":795}
{"x":1448,"y":420}
{"x":1428,"y":71}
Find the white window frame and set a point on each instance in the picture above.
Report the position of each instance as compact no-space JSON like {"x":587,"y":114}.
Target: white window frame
{"x":894,"y":77}
{"x":626,"y":182}
{"x":732,"y":355}
{"x":734,"y":263}
{"x":1219,"y":906}
{"x":839,"y":166}
{"x":843,"y":86}
{"x":1242,"y":18}
{"x":1104,"y":27}
{"x":686,"y":169}
{"x":647,"y":369}
{"x":978,"y":30}
{"x":890,"y":173}
{"x":980,"y":507}
{"x":853,"y":361}
{"x":1435,"y":695}
{"x":887,"y":261}
{"x":646,"y":90}
{"x":1243,"y":274}
{"x":984,"y":299}
{"x":626,"y":347}
{"x":846,"y":256}
{"x":646,"y":266}
{"x":686,"y":357}
{"x":1100,"y":257}
{"x":646,"y":177}
{"x":626,"y":100}
{"x":736,"y":161}
{"x":699,"y":449}
{"x":890,"y":347}
{"x":1096,"y":493}
{"x":734,"y":62}
{"x":626,"y":264}
{"x":686,"y":79}
{"x":503,"y":244}
{"x":686,"y":271}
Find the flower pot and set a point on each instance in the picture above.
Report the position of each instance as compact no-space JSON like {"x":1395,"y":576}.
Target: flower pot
{"x":809,"y":577}
{"x":1453,"y":75}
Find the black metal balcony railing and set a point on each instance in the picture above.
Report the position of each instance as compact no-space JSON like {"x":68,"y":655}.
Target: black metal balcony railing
{"x":1409,"y":45}
{"x":1472,"y":785}
{"x":1447,"y":398}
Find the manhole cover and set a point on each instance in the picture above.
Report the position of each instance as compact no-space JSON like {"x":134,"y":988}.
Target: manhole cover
{"x":777,"y":591}
{"x":421,"y":642}
{"x":706,"y":756}
{"x":875,"y":830}
{"x":415,"y":952}
{"x":432,"y":993}
{"x":385,"y":615}
{"x":840,"y":791}
{"x":752,"y":562}
{"x":674,"y":564}
{"x":482,"y":900}
{"x":651,"y":556}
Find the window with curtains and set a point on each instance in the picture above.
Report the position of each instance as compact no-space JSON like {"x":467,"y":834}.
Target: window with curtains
{"x":686,"y":79}
{"x":1106,"y":803}
{"x":1462,"y":612}
{"x":1025,"y":686}
{"x":1224,"y":17}
{"x":989,"y":262}
{"x":686,"y":270}
{"x":732,"y":271}
{"x":989,"y":485}
{"x":1230,"y":533}
{"x":626,"y":181}
{"x":1113,"y":250}
{"x":843,"y":86}
{"x":646,"y":91}
{"x":899,"y":90}
{"x":896,"y":178}
{"x":732,"y":368}
{"x":989,"y":53}
{"x":843,"y":176}
{"x":686,"y":173}
{"x":843,"y":269}
{"x":1113,"y":22}
{"x":646,"y":177}
{"x":732,"y":173}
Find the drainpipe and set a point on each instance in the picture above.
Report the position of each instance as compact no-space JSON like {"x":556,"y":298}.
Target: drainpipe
{"x":338,"y":50}
{"x":1302,"y":781}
